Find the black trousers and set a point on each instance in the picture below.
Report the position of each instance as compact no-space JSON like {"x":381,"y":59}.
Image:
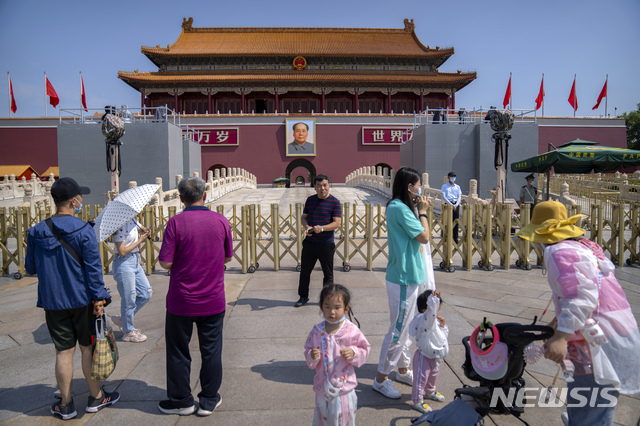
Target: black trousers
{"x":456,"y":215}
{"x":178,"y":330}
{"x":311,"y":252}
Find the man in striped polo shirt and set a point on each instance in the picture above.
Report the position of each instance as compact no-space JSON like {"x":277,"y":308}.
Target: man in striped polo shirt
{"x":321,"y":216}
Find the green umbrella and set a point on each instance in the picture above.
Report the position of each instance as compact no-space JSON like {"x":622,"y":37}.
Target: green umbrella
{"x":581,"y":157}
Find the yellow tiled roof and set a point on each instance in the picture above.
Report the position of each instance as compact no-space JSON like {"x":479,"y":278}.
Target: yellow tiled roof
{"x":297,"y":41}
{"x":17,"y":170}
{"x":54,"y":170}
{"x":360,"y":78}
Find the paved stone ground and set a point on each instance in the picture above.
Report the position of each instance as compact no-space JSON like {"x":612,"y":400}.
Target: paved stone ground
{"x":266,"y":380}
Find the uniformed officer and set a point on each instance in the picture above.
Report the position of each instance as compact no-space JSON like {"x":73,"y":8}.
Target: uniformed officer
{"x":529,"y":193}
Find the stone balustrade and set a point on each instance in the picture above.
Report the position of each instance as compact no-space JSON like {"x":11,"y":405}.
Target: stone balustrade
{"x":380,"y":180}
{"x":26,"y":193}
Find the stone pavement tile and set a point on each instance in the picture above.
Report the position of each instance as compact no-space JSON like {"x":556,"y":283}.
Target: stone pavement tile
{"x":627,"y":410}
{"x":133,"y":413}
{"x":27,"y":364}
{"x":285,"y":385}
{"x":30,"y":324}
{"x":483,"y":305}
{"x":7,"y":342}
{"x":27,"y":398}
{"x":479,"y":292}
{"x":524,"y":301}
{"x":489,"y":287}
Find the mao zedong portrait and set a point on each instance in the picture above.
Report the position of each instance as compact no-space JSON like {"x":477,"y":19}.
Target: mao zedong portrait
{"x":300,"y":145}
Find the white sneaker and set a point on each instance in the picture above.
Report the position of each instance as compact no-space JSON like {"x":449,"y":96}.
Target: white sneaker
{"x":134,"y":337}
{"x":406,"y":378}
{"x":203,"y":413}
{"x":386,"y":388}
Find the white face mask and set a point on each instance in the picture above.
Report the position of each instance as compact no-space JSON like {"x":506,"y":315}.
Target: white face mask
{"x":335,"y":322}
{"x":78,"y":209}
{"x":453,"y":179}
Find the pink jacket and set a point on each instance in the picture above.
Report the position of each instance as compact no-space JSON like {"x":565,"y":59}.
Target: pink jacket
{"x":579,"y":294}
{"x":348,"y":336}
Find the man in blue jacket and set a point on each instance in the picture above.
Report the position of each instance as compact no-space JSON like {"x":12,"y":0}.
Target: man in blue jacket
{"x":64,"y":254}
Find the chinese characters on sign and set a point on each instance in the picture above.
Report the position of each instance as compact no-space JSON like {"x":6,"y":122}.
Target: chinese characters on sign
{"x":228,"y":136}
{"x":385,"y":136}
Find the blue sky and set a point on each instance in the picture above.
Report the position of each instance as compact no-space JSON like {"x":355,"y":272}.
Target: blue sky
{"x":558,"y":38}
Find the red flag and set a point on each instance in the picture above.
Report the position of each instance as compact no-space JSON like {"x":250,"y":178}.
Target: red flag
{"x":603,"y":94}
{"x":51,"y":92}
{"x":82,"y":94}
{"x":14,"y":107}
{"x":507,"y":96}
{"x":540,"y":97}
{"x":573,"y":98}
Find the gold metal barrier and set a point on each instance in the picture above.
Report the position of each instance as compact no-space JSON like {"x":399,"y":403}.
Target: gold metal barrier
{"x":267,"y":235}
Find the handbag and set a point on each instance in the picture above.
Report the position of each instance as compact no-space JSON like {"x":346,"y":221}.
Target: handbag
{"x":104,"y":350}
{"x":430,"y":283}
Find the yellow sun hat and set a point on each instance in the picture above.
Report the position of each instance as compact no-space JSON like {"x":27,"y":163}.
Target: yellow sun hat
{"x":549,"y":224}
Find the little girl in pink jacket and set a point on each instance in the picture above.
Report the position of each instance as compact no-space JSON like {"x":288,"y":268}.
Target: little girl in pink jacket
{"x":334,"y":348}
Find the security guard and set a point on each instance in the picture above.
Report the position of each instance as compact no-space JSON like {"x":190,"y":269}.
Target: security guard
{"x":529,"y":193}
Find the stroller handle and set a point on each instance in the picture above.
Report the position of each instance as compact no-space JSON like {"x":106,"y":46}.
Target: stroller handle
{"x":526,"y":334}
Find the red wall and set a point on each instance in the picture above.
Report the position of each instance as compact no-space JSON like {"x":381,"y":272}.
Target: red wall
{"x":608,"y":136}
{"x":37,"y":147}
{"x":261,"y":151}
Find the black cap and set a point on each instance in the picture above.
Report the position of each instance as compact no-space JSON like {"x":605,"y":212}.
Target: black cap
{"x":66,"y":188}
{"x":451,"y":174}
{"x":530,"y":177}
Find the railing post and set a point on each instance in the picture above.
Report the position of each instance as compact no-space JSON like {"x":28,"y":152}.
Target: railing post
{"x":505,"y":247}
{"x":275,"y":236}
{"x":299,"y":234}
{"x":347,"y":239}
{"x":467,"y":248}
{"x":244,"y":212}
{"x":3,"y":240}
{"x":252,"y":235}
{"x":20,"y":233}
{"x":621,"y":239}
{"x":487,"y":236}
{"x":447,"y":222}
{"x":525,"y":218}
{"x":148,"y":249}
{"x":369,"y":235}
{"x":234,"y":223}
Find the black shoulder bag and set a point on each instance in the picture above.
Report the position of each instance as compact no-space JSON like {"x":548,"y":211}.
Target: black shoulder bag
{"x":64,"y":243}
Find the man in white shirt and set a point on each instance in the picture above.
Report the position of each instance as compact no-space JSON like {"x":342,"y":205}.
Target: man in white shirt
{"x":452,"y":194}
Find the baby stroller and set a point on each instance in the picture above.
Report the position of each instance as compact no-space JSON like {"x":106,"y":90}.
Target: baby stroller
{"x":497,"y":361}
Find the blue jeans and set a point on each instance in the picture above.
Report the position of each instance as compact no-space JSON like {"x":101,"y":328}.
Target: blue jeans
{"x":590,"y":416}
{"x":133,"y":287}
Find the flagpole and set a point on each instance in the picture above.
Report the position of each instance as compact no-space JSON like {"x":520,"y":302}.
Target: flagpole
{"x":81,"y":107}
{"x":574,"y":94}
{"x":543,"y":94}
{"x":606,"y":97}
{"x":9,"y":82}
{"x":45,"y":93}
{"x":510,"y":94}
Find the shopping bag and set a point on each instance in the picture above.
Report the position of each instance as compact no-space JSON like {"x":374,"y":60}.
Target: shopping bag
{"x":104,"y":350}
{"x":430,"y":284}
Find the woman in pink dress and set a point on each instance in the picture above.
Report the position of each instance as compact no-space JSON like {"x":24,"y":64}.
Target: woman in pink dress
{"x":595,"y":329}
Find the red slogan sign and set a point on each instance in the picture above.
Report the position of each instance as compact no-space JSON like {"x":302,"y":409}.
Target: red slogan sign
{"x":228,"y":136}
{"x":385,"y":136}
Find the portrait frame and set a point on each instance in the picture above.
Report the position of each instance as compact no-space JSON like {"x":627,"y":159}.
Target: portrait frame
{"x":290,"y":147}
